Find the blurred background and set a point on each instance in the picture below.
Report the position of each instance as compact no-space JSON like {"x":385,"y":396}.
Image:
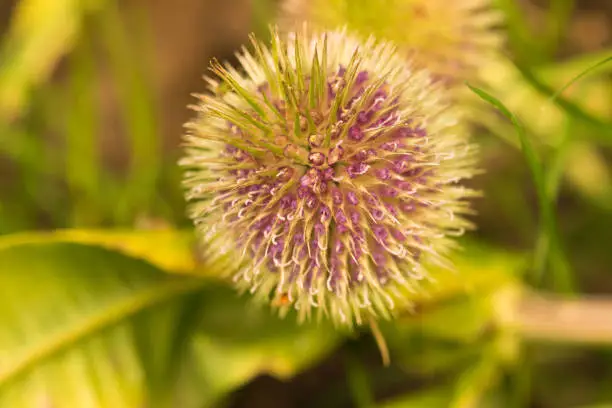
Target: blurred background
{"x":94,"y":93}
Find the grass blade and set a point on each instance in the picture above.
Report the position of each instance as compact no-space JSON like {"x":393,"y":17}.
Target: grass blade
{"x":548,"y":249}
{"x":128,"y":65}
{"x":82,"y":166}
{"x":580,"y":76}
{"x":602,"y":128}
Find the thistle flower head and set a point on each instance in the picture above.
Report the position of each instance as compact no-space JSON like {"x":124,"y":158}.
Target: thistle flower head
{"x":451,"y":38}
{"x":333,"y":168}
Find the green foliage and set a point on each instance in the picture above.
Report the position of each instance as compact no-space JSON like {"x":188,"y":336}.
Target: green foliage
{"x":40,"y":34}
{"x":125,"y":317}
{"x":79,"y":333}
{"x":167,"y":249}
{"x":85,"y":326}
{"x":548,"y":244}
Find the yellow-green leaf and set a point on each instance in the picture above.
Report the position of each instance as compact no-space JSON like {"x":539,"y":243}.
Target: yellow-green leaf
{"x":67,"y":337}
{"x":168,"y":249}
{"x":85,"y":326}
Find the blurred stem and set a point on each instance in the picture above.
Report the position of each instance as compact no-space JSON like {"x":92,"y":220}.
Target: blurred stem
{"x":82,"y":164}
{"x":521,"y":377}
{"x":519,"y":32}
{"x":557,"y":20}
{"x":557,"y":161}
{"x":358,"y":382}
{"x":562,"y":320}
{"x":563,"y":279}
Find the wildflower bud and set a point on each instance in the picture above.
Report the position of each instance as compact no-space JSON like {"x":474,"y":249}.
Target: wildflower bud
{"x":344,"y":216}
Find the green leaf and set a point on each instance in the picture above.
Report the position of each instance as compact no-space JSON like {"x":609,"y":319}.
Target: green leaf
{"x":450,"y":328}
{"x":474,"y":383}
{"x":548,"y":245}
{"x":84,"y":326}
{"x":68,"y":335}
{"x":168,"y":249}
{"x":463,"y":320}
{"x":214,"y":366}
{"x":478,"y":269}
{"x":246,"y":340}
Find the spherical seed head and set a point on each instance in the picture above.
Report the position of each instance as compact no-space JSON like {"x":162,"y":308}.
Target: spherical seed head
{"x":343,"y":223}
{"x":453,"y":39}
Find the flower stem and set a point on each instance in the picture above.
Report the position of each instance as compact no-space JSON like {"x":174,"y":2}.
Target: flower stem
{"x":587,"y":320}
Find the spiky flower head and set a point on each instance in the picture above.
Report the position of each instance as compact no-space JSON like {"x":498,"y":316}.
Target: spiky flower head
{"x":331,"y":167}
{"x":452,"y":39}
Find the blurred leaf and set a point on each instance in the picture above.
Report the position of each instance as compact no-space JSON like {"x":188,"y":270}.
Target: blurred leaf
{"x":84,"y":326}
{"x":429,"y":357}
{"x":473,"y":384}
{"x":436,"y":398}
{"x":170,"y":250}
{"x":589,"y":171}
{"x":129,"y":63}
{"x":271,"y":346}
{"x":463,"y":320}
{"x":67,"y":336}
{"x":478,"y":270}
{"x":548,"y":245}
{"x":358,"y":381}
{"x":448,"y":329}
{"x":41,"y":32}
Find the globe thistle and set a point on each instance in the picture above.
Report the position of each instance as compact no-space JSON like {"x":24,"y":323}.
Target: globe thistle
{"x":452,"y":39}
{"x":330,"y":169}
